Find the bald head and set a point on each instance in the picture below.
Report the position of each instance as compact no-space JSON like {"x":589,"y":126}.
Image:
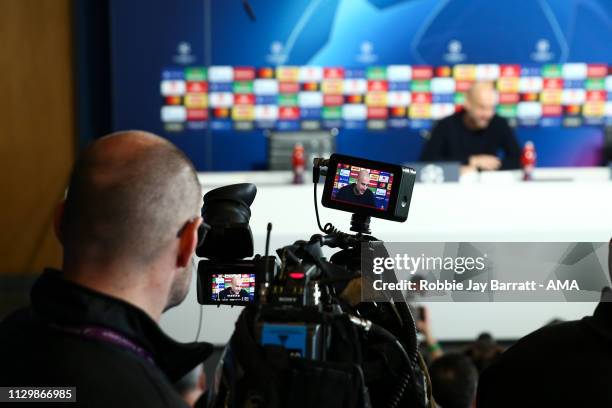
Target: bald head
{"x":129,"y":194}
{"x":363,"y":180}
{"x":480,"y":104}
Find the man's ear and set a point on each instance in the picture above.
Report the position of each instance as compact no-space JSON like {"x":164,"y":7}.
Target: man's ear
{"x":188,"y":242}
{"x":58,"y":216}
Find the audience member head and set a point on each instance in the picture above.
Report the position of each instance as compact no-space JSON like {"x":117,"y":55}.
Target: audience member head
{"x":130,"y":219}
{"x":453,"y":381}
{"x":480,"y":105}
{"x":484,"y":351}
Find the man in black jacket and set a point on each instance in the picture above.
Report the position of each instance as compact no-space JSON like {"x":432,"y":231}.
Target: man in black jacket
{"x":475,"y":135}
{"x":129,"y":228}
{"x":564,"y":365}
{"x":358,"y":192}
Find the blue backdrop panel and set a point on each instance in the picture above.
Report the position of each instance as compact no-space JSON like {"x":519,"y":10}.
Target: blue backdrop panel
{"x":148,"y":36}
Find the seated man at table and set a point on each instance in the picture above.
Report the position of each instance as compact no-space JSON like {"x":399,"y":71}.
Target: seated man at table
{"x":475,"y":135}
{"x":358,"y":193}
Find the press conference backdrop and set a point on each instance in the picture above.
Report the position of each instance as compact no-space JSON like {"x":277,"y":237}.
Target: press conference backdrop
{"x":210,"y":78}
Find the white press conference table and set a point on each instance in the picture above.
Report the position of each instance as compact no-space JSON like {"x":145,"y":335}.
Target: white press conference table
{"x":560,"y":205}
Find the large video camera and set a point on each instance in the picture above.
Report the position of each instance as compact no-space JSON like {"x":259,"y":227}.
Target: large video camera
{"x":305,"y":338}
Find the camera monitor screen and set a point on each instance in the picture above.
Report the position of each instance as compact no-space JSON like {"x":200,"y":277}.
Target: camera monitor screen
{"x":362,"y":186}
{"x":233,"y":287}
{"x":368,"y":188}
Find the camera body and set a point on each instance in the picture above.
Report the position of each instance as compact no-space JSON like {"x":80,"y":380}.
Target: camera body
{"x":296,"y":326}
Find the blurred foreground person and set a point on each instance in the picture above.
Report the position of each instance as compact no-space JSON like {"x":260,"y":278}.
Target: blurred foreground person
{"x":567,"y":364}
{"x":129,"y":228}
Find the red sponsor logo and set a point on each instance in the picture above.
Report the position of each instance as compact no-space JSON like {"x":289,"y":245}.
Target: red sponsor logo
{"x":265,"y":73}
{"x":508,"y":98}
{"x":333,"y":73}
{"x":529,"y":97}
{"x":422,"y":72}
{"x":421,"y":97}
{"x":197,"y":114}
{"x":244,"y":73}
{"x":596,"y":96}
{"x":375,"y":112}
{"x":221,"y":113}
{"x":289,"y":113}
{"x":197,"y":87}
{"x":310,"y":86}
{"x":443,"y":71}
{"x":374,"y":86}
{"x":510,"y":71}
{"x":354,"y":99}
{"x":463,"y":86}
{"x":572,"y":110}
{"x":244,"y":99}
{"x":398,"y":111}
{"x":597,"y":70}
{"x":552,"y":110}
{"x":288,"y":87}
{"x":333,"y":100}
{"x":173,"y":100}
{"x":553,"y":83}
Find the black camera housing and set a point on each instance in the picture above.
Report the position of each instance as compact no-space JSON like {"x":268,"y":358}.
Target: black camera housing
{"x":401,"y":188}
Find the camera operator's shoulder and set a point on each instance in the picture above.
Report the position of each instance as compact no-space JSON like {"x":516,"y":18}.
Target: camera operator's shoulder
{"x":104,"y":375}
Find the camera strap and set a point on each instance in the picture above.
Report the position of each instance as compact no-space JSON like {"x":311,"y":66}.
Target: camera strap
{"x":109,"y":336}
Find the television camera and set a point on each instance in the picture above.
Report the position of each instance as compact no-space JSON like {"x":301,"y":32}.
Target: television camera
{"x":305,"y":338}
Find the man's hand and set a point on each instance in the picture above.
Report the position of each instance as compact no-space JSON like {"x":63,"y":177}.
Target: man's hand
{"x":485,"y":162}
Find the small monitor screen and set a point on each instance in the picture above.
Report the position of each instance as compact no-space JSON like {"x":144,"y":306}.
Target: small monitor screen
{"x":233,"y":287}
{"x":362,"y":186}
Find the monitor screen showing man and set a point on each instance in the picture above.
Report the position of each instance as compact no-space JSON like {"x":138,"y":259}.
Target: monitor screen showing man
{"x":476,"y":136}
{"x":363,"y":187}
{"x":233,"y":287}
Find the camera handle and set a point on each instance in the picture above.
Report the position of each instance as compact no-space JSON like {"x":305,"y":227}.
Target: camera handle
{"x":360,"y":223}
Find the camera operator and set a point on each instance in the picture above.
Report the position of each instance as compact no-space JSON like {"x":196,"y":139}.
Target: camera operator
{"x":129,"y":228}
